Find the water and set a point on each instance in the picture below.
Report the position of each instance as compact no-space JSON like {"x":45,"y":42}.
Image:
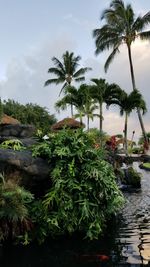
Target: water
{"x":134,"y":235}
{"x":126,"y":243}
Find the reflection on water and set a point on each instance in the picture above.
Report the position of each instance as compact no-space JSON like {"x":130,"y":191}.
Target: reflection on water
{"x":134,"y":235}
{"x":127,"y":243}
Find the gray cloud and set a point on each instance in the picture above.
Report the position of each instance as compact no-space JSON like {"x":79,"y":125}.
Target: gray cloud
{"x":25,"y":77}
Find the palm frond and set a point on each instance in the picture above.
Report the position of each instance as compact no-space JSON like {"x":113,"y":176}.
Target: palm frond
{"x":80,"y":79}
{"x":50,"y":81}
{"x":64,"y":85}
{"x":58,"y":64}
{"x":81,"y":71}
{"x":144,"y":35}
{"x":110,"y":58}
{"x":56,"y":71}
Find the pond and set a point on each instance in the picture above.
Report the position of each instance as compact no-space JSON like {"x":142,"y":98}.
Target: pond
{"x":126,"y":243}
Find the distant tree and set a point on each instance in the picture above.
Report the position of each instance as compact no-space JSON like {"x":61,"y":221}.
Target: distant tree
{"x":88,"y":105}
{"x":66,"y":70}
{"x":141,"y":139}
{"x":121,"y":27}
{"x":127,"y":104}
{"x":101,"y":91}
{"x":74,"y":97}
{"x":29,"y":114}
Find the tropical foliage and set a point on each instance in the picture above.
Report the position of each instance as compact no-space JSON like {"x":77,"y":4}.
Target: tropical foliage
{"x":29,"y":114}
{"x":101,"y":92}
{"x":82,"y":100}
{"x":141,"y":139}
{"x":84,"y":193}
{"x":121,"y":27}
{"x":73,"y":97}
{"x":14,"y":144}
{"x":127,"y":104}
{"x":67,"y":70}
{"x":14,"y":217}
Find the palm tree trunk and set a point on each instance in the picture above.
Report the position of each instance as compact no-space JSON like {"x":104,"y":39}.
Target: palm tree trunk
{"x":88,"y":122}
{"x":125,"y":134}
{"x":71,"y":110}
{"x":80,"y":114}
{"x":100,"y":118}
{"x":134,"y":88}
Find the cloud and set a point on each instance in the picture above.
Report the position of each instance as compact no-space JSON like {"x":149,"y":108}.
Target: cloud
{"x":25,"y":77}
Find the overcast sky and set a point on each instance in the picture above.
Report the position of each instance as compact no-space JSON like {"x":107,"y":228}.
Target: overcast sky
{"x":33,"y":31}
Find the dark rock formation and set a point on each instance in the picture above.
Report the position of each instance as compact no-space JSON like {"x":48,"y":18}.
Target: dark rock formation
{"x":21,"y":167}
{"x":17,"y":130}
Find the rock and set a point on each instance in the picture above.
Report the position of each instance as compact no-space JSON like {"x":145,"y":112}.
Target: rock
{"x":27,"y":142}
{"x":23,"y":169}
{"x":17,"y":130}
{"x":23,"y":160}
{"x":146,"y":220}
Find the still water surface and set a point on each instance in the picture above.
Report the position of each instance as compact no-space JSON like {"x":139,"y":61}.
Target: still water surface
{"x":126,"y":244}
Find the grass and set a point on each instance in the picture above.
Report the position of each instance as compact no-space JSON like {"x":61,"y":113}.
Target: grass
{"x":146,"y":165}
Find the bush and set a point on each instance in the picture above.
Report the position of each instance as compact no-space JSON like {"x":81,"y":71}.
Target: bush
{"x":132,"y":177}
{"x":14,"y":217}
{"x":14,"y":144}
{"x":84,"y":193}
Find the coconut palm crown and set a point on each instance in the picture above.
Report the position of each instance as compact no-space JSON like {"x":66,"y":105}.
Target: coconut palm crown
{"x":121,"y":27}
{"x":66,"y":70}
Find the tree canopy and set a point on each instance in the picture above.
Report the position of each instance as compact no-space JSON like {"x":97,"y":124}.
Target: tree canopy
{"x":29,"y":114}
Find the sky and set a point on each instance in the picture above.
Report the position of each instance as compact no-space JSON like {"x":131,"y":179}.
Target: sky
{"x":33,"y":31}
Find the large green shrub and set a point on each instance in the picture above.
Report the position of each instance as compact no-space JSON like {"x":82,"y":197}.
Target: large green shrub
{"x":84,"y":193}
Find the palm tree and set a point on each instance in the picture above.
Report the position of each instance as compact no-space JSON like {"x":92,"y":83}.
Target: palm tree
{"x":73,"y":97}
{"x":88,"y":105}
{"x":127,"y":104}
{"x":81,"y":99}
{"x":121,"y":28}
{"x":66,"y":70}
{"x":101,"y":92}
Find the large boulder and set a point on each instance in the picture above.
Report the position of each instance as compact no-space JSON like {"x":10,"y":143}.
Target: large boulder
{"x":20,"y":166}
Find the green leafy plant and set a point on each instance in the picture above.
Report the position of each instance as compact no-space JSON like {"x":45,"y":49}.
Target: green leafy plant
{"x":14,"y":144}
{"x":84,"y":193}
{"x":14,"y":202}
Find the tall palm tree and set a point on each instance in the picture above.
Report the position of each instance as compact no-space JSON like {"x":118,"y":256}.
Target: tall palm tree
{"x":121,"y":28}
{"x":101,"y":91}
{"x":127,"y":104}
{"x":66,"y":70}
